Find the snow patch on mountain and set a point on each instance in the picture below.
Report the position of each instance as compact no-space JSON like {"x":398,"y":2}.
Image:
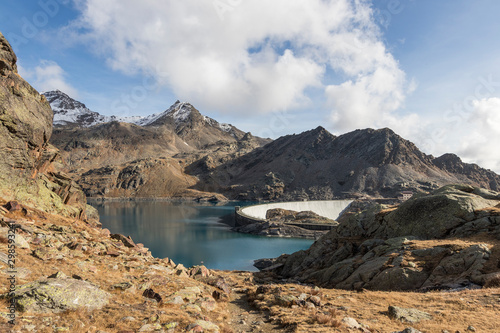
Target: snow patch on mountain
{"x":181,"y":112}
{"x":226,"y":127}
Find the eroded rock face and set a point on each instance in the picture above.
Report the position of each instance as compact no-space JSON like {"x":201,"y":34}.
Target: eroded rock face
{"x":416,"y":246}
{"x":29,"y":165}
{"x":25,"y":120}
{"x":57,"y":295}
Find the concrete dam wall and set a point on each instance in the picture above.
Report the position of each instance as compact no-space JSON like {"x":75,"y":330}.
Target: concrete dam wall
{"x":327,"y":208}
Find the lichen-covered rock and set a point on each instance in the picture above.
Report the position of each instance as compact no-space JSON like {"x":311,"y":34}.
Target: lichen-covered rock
{"x":19,"y":240}
{"x":434,"y":215}
{"x":408,"y":315}
{"x":57,"y":295}
{"x":207,"y":326}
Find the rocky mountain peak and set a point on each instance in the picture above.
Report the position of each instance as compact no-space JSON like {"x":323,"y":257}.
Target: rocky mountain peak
{"x":178,"y":114}
{"x":181,"y":111}
{"x":448,"y":161}
{"x":68,"y":111}
{"x":8,"y":58}
{"x":381,"y":146}
{"x":60,"y":101}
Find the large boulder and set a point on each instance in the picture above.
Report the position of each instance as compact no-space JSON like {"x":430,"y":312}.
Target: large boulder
{"x":437,"y":214}
{"x":59,"y":294}
{"x":30,"y":169}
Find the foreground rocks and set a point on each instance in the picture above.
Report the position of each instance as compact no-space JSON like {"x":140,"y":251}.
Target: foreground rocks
{"x":57,"y":295}
{"x":445,"y":240}
{"x":73,"y":271}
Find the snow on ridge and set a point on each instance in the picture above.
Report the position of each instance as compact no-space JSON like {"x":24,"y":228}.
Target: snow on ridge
{"x":180,"y":111}
{"x":222,"y":126}
{"x":69,"y":111}
{"x":226,"y":127}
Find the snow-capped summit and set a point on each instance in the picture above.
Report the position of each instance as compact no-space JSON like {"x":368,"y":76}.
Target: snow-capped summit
{"x":68,"y":111}
{"x":179,"y":112}
{"x":182,"y":113}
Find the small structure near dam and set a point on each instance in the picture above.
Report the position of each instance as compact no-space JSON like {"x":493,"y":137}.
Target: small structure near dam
{"x":331,"y":209}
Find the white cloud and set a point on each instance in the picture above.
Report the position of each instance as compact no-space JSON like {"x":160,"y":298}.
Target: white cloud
{"x":48,"y":76}
{"x":481,"y":134}
{"x":256,"y":55}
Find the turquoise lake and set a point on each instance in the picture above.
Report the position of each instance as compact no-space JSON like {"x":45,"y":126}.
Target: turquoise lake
{"x":192,"y":234}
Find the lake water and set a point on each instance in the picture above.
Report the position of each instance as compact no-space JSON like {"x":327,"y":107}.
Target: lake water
{"x":192,"y":234}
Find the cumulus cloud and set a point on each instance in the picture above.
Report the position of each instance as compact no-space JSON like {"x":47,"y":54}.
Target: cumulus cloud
{"x":369,"y":100}
{"x":256,"y":55}
{"x":48,"y":75}
{"x":481,"y":134}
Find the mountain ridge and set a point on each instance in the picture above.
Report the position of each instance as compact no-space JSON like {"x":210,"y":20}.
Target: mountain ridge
{"x":318,"y":165}
{"x":219,"y":158}
{"x":68,"y":111}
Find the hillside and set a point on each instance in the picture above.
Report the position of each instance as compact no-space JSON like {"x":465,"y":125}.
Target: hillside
{"x":318,"y":165}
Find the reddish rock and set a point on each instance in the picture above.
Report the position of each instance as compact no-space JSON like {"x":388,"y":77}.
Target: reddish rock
{"x":199,"y":271}
{"x":36,"y":241}
{"x":112,"y":253}
{"x":75,"y":246}
{"x":105,"y":232}
{"x":13,"y":206}
{"x":127,"y":241}
{"x":150,"y":293}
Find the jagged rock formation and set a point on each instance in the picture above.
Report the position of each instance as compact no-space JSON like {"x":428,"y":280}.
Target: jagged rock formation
{"x":318,"y":165}
{"x":446,"y":239}
{"x":29,"y":165}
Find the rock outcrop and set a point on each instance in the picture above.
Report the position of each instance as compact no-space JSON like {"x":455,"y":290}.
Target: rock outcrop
{"x":30,"y":169}
{"x":288,"y":223}
{"x":428,"y":242}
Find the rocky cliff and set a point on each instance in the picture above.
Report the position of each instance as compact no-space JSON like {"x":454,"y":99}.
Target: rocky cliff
{"x":29,"y":165}
{"x":318,"y":165}
{"x":444,"y":240}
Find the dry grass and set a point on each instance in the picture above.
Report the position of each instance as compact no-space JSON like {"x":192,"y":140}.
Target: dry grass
{"x":452,"y":311}
{"x":327,"y":319}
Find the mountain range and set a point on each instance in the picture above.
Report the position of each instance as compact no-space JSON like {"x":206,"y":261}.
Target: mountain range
{"x":181,"y":153}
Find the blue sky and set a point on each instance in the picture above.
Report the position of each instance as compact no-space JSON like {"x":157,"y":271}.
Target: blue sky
{"x":430,"y":70}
